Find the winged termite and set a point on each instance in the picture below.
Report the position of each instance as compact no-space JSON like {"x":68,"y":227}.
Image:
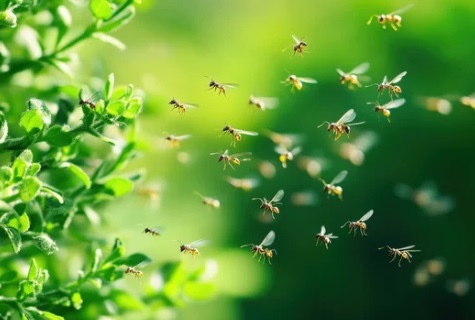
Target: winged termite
{"x":297,"y":82}
{"x":331,"y":187}
{"x":285,"y":154}
{"x":88,"y":101}
{"x":244,"y":184}
{"x":271,"y":205}
{"x":229,"y":159}
{"x":134,"y":270}
{"x":263,"y":103}
{"x":384,"y":109}
{"x":261,"y":250}
{"x":402,"y":253}
{"x":174,"y":141}
{"x":393,"y":19}
{"x":392,"y":89}
{"x":192,"y":248}
{"x":355,"y":151}
{"x":156,"y":231}
{"x":360,"y":224}
{"x":181,"y":107}
{"x":220,"y":87}
{"x":298,"y":46}
{"x":208,"y":201}
{"x":351,"y":78}
{"x":325,"y":238}
{"x":341,"y":126}
{"x":237,"y":133}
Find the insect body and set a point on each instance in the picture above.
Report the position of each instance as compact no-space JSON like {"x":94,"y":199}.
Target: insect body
{"x":220,"y":87}
{"x":229,"y":159}
{"x":154,"y":232}
{"x":298,"y":46}
{"x":285,"y":154}
{"x":89,"y":101}
{"x":260,"y":250}
{"x":297,"y":82}
{"x":208,"y":201}
{"x":392,"y":89}
{"x":393,"y":19}
{"x":341,"y":126}
{"x":331,"y":188}
{"x":360,"y":224}
{"x":192,"y":248}
{"x":132,"y":270}
{"x":351,"y":77}
{"x":181,"y":107}
{"x":175,"y":140}
{"x":237,"y":133}
{"x":271,"y":205}
{"x":384,"y":109}
{"x":263,"y":103}
{"x":325,"y":238}
{"x":402,"y":253}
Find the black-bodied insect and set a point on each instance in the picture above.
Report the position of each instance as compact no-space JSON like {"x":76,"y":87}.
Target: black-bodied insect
{"x":229,"y":159}
{"x":181,"y":107}
{"x":325,"y":238}
{"x":271,"y":205}
{"x":156,"y":231}
{"x":331,"y":187}
{"x":133,"y":270}
{"x":192,"y":248}
{"x":260,"y":250}
{"x":237,"y":133}
{"x":402,"y":253}
{"x":220,"y":87}
{"x":89,"y":101}
{"x":298,"y":46}
{"x":360,"y":224}
{"x":263,"y":103}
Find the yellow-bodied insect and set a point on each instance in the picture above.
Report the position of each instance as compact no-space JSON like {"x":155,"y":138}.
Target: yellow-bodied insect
{"x":351,"y":78}
{"x":132,"y":270}
{"x":157,"y":231}
{"x":331,"y":188}
{"x":237,"y":133}
{"x":208,"y":201}
{"x":263,"y":103}
{"x":392,"y":89}
{"x":341,"y":126}
{"x":298,"y":46}
{"x":297,"y":82}
{"x":384,"y":109}
{"x":285,"y":154}
{"x":181,"y":107}
{"x":402,"y":253}
{"x":325,"y":238}
{"x":393,"y":19}
{"x":355,"y":150}
{"x":360,"y":224}
{"x":192,"y":248}
{"x":468,"y":101}
{"x":244,"y":184}
{"x":174,"y":141}
{"x":271,"y":205}
{"x":260,"y":250}
{"x":220,"y":87}
{"x":229,"y":159}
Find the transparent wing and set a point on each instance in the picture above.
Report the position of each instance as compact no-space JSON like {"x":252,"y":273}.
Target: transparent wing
{"x":331,"y":236}
{"x":269,"y":239}
{"x":297,"y":40}
{"x":198,"y":243}
{"x":350,"y":115}
{"x":241,"y":154}
{"x":295,"y":151}
{"x":278,"y":196}
{"x":182,"y":137}
{"x":188,"y":105}
{"x":362,"y":68}
{"x":230,"y":85}
{"x":398,"y":77}
{"x":394,"y":104}
{"x":341,"y":72}
{"x":405,"y":248}
{"x":356,"y":123}
{"x":323,"y":230}
{"x":280,"y":149}
{"x":269,"y":102}
{"x":366,"y":216}
{"x":399,"y":11}
{"x":339,"y":177}
{"x":248,"y":133}
{"x":307,"y":80}
{"x":385,"y":80}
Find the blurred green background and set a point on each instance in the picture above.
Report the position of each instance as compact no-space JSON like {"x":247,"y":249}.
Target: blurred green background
{"x":172,"y":45}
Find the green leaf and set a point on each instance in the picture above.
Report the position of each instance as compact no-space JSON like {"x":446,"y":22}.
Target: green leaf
{"x":27,"y":155}
{"x":57,"y":137}
{"x":8,"y":18}
{"x":63,"y":20}
{"x":101,"y":9}
{"x":118,"y":251}
{"x":36,"y":104}
{"x":33,"y":169}
{"x":76,"y":300}
{"x":6,"y":174}
{"x":97,"y":260}
{"x":33,"y":271}
{"x":32,"y":119}
{"x":24,"y":223}
{"x":199,"y":290}
{"x":110,"y":273}
{"x":45,"y":243}
{"x":118,"y":186}
{"x":104,"y":37}
{"x":125,"y":300}
{"x":116,"y":107}
{"x":118,"y":21}
{"x":27,"y":289}
{"x":51,"y":316}
{"x":14,"y":236}
{"x":3,"y":128}
{"x":134,"y":107}
{"x":133,"y":260}
{"x":52,"y":193}
{"x":109,"y":87}
{"x":78,"y":172}
{"x":61,"y":66}
{"x":29,"y":188}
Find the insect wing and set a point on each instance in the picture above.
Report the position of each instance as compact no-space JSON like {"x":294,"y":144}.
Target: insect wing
{"x":366,"y":216}
{"x":322,"y":231}
{"x":399,"y":11}
{"x":269,"y":239}
{"x":385,"y":80}
{"x":280,"y":149}
{"x":405,"y":248}
{"x":278,"y":196}
{"x":350,"y":115}
{"x":398,"y":77}
{"x":198,"y":243}
{"x":248,"y":133}
{"x":331,"y":236}
{"x":240,"y":154}
{"x":356,"y":123}
{"x":230,"y":85}
{"x":341,"y":72}
{"x":394,"y":104}
{"x":297,"y":40}
{"x":296,"y":151}
{"x":307,"y":80}
{"x":362,"y":68}
{"x":339,"y":177}
{"x":191,"y":106}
